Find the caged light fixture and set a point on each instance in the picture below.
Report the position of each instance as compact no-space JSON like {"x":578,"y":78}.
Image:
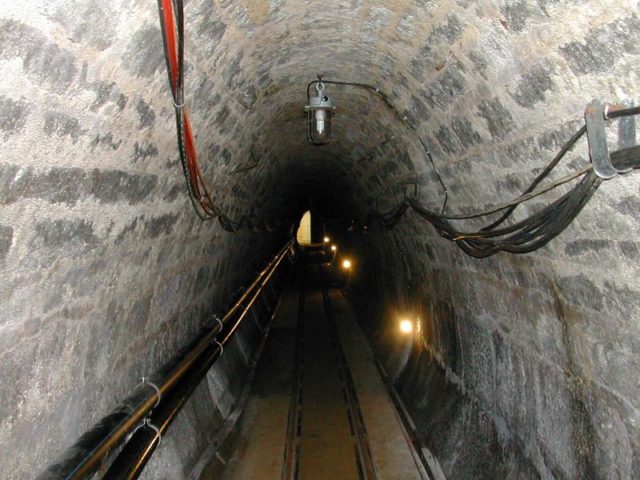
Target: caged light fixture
{"x":319,"y":116}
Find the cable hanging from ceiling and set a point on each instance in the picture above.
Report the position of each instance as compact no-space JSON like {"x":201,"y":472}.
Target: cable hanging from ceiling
{"x":523,"y":236}
{"x":539,"y":228}
{"x":172,"y":27}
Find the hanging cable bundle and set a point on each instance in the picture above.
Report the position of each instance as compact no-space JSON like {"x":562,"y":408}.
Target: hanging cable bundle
{"x":172,"y":26}
{"x":541,"y":227}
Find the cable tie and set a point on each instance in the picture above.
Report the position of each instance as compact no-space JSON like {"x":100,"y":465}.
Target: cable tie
{"x":132,"y":433}
{"x":147,"y":422}
{"x":220,"y":345}
{"x":215,"y":317}
{"x":145,"y":381}
{"x":177,"y":107}
{"x":606,"y":111}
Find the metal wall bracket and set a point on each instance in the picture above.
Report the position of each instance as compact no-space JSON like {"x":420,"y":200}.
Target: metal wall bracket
{"x":597,"y":137}
{"x":595,"y":115}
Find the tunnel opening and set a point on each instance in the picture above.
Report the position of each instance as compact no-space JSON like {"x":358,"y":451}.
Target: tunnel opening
{"x":303,"y":235}
{"x":516,"y":366}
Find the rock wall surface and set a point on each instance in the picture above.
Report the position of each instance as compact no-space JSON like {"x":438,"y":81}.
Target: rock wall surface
{"x":105,"y":270}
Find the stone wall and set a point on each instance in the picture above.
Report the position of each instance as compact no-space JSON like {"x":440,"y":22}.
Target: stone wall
{"x":105,"y":269}
{"x":525,"y":365}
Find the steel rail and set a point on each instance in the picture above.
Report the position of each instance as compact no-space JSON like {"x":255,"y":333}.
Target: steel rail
{"x":364,"y":455}
{"x":291,"y":463}
{"x":85,"y":456}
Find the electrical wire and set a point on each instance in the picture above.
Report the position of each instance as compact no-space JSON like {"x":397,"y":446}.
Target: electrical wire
{"x":172,"y":27}
{"x":537,"y":229}
{"x":563,"y":151}
{"x":516,"y":201}
{"x":521,"y":237}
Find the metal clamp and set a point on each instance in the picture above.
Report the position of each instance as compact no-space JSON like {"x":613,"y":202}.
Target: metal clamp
{"x":220,"y":345}
{"x":145,"y":381}
{"x":146,"y":422}
{"x":217,"y":319}
{"x":177,"y":106}
{"x":595,"y":115}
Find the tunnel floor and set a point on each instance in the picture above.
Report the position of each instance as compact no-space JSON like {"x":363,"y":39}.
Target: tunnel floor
{"x":318,"y":408}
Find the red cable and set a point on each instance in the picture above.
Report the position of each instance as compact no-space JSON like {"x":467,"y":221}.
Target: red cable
{"x":170,"y":33}
{"x":196,"y":182}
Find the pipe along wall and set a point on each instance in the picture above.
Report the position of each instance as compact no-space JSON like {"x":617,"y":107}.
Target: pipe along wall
{"x":525,"y":367}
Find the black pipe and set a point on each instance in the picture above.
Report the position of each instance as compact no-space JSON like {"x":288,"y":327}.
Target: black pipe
{"x":86,"y":455}
{"x":138,"y":450}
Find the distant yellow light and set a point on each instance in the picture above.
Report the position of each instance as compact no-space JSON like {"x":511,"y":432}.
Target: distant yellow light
{"x":333,"y":248}
{"x":346,"y":264}
{"x":327,"y":239}
{"x":406,"y":326}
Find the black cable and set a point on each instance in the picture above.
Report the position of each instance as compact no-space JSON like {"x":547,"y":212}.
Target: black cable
{"x":211,"y":211}
{"x":623,"y":112}
{"x":529,"y":234}
{"x":567,"y":146}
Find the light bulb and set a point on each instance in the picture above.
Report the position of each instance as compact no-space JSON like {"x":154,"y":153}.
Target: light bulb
{"x":406,"y":326}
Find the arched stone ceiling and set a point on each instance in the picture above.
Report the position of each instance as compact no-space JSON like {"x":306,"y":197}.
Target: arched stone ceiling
{"x":474,"y":77}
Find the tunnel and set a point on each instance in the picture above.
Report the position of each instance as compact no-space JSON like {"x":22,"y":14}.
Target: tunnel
{"x":519,"y":364}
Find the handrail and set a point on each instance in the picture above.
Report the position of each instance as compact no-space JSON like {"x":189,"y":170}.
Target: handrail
{"x":86,"y":455}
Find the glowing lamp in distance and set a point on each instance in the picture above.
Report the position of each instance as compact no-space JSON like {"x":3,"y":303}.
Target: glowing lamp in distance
{"x":406,"y":326}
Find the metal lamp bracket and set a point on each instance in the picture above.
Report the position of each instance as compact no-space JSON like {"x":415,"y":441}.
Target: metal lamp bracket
{"x":595,"y":115}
